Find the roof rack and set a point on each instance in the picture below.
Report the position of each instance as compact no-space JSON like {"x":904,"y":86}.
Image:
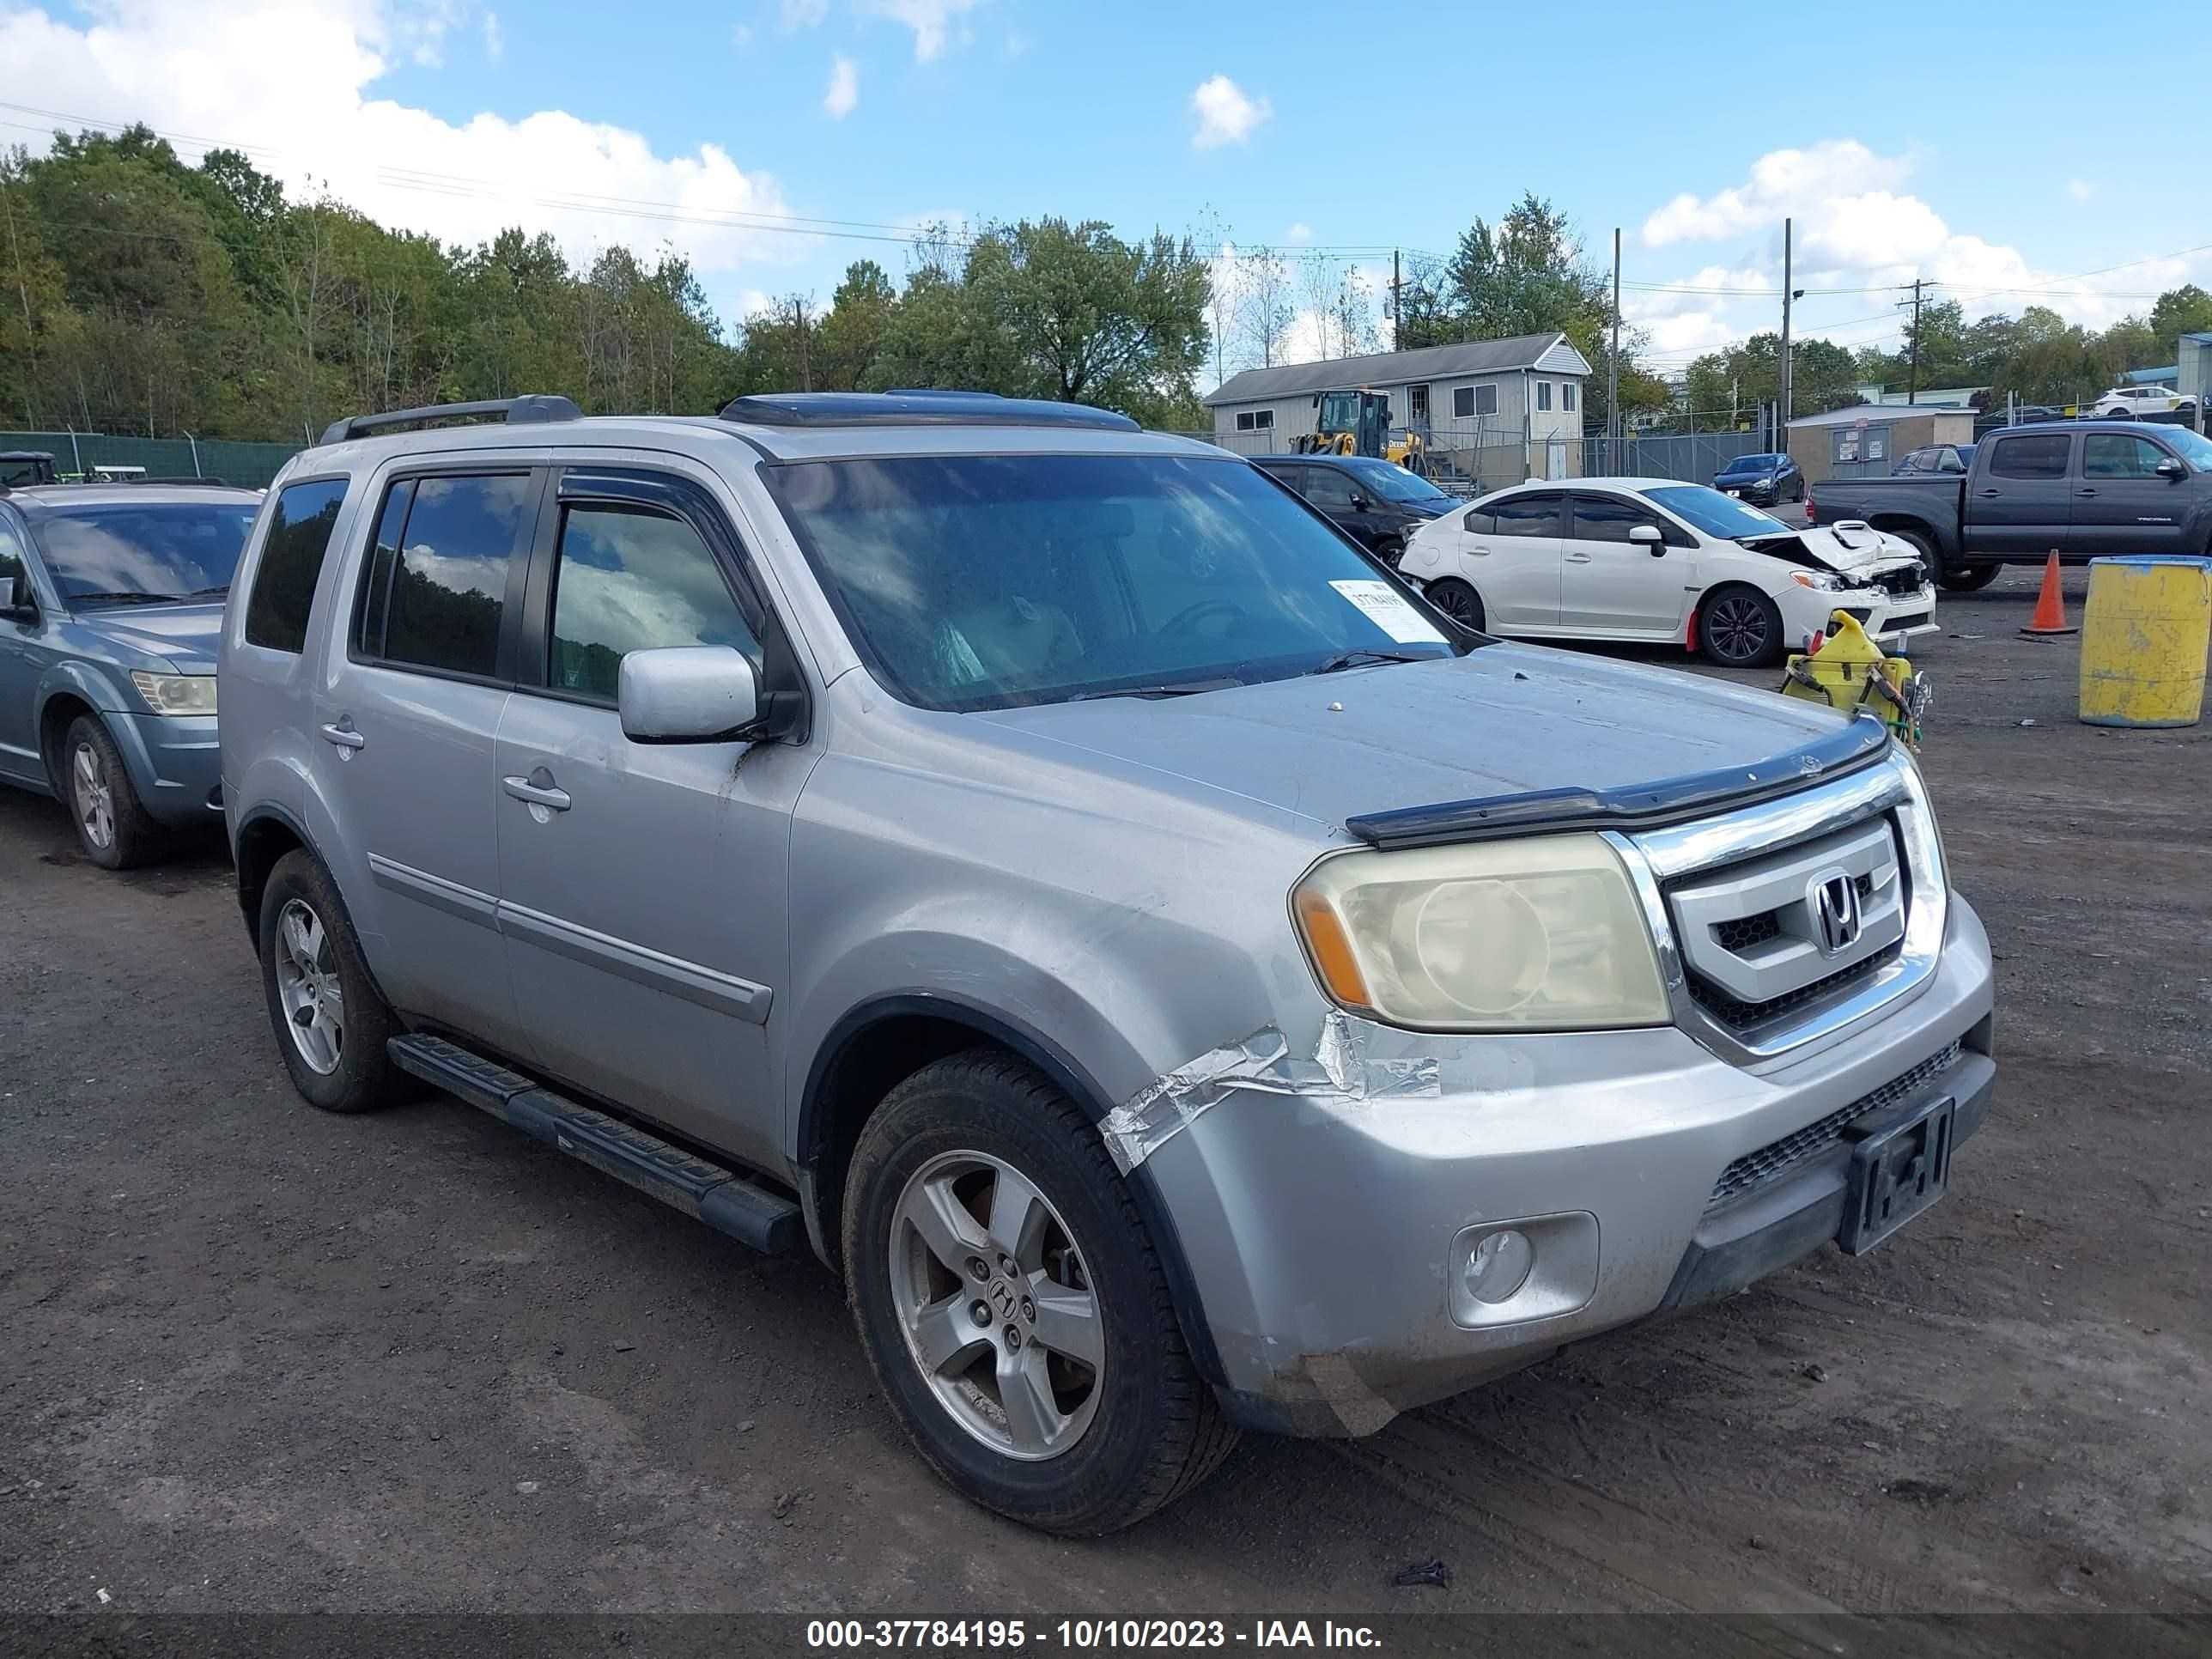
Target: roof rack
{"x":515,"y":411}
{"x":917,"y":408}
{"x":186,"y":480}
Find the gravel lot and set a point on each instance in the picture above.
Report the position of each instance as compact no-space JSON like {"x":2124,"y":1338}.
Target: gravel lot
{"x":259,"y":1359}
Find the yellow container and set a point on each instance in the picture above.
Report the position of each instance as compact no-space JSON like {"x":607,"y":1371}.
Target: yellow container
{"x":2144,"y":635}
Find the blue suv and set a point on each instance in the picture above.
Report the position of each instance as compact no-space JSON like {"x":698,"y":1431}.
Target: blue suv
{"x":111,"y":604}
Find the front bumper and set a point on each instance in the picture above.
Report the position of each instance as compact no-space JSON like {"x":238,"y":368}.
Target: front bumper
{"x":1889,"y":619}
{"x":1328,"y":1239}
{"x":175,"y":763}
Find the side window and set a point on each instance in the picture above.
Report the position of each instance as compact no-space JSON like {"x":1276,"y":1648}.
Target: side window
{"x":1243,"y":420}
{"x":1567,"y":390}
{"x":1543,"y":394}
{"x":1530,"y":515}
{"x":1328,"y":489}
{"x":1463,"y":403}
{"x":12,"y":557}
{"x":1486,"y":400}
{"x":444,"y":559}
{"x":2042,"y":456}
{"x":291,"y":560}
{"x":1609,"y":519}
{"x":1263,"y":420}
{"x":1478,"y":522}
{"x":629,"y":578}
{"x":2119,"y":455}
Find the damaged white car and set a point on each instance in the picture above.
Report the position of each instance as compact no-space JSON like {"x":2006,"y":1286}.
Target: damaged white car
{"x":1176,"y":978}
{"x":1659,"y":560}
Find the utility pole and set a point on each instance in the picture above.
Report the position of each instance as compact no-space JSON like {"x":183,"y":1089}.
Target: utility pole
{"x":1612,"y":421}
{"x":1397,"y":306}
{"x":1786,"y":296}
{"x":1912,"y":374}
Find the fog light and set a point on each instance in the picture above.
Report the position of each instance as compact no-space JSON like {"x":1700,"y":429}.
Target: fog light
{"x":1498,"y":1266}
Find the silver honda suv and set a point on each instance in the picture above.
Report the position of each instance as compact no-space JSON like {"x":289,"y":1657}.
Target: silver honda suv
{"x":1176,"y":978}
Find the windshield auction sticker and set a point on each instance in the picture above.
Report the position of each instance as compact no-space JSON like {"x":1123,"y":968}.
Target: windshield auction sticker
{"x":1388,"y":612}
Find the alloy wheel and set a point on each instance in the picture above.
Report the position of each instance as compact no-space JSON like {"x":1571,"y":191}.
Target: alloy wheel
{"x":93,"y":796}
{"x":307,"y":985}
{"x":1735,"y":629}
{"x":996,"y":1305}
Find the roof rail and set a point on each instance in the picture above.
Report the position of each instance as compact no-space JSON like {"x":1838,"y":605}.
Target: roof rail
{"x":515,"y":411}
{"x":186,"y":480}
{"x":941,"y":407}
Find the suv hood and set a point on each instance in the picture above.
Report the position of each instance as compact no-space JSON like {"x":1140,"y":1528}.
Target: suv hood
{"x":1502,"y":719}
{"x":184,"y":635}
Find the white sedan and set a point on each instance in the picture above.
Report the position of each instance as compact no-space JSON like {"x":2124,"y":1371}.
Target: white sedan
{"x":1659,"y":560}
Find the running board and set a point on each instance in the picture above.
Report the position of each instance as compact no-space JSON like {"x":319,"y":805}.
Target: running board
{"x":726,"y":1200}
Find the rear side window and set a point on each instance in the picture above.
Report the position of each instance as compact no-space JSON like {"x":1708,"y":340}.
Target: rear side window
{"x":2042,"y":456}
{"x":630,"y":579}
{"x":1530,"y":515}
{"x":437,"y":580}
{"x":291,"y":561}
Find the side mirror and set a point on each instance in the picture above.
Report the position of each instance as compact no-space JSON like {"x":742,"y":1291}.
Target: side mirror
{"x":1646,"y":535}
{"x":2171,"y":468}
{"x":16,"y":598}
{"x":688,"y":694}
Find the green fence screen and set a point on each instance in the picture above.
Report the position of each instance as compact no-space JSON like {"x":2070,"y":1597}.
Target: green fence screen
{"x":78,"y":453}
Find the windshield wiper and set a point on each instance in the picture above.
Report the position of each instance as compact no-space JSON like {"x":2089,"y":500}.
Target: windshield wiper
{"x":1344,"y":660}
{"x":124,"y":598}
{"x":214,"y":593}
{"x":1180,"y":689}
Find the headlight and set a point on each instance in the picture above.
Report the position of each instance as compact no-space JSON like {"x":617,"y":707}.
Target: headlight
{"x":1827,"y":581}
{"x":176,"y":693}
{"x":1543,"y":934}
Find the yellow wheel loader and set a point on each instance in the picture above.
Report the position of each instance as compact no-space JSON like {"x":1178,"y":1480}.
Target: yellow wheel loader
{"x":1356,"y":422}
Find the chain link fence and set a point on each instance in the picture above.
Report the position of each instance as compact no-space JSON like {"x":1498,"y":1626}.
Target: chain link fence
{"x":78,"y":453}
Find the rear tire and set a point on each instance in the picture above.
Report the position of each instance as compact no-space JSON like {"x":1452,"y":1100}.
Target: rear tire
{"x":1458,"y":601}
{"x":1739,"y":627}
{"x":1007,"y":1408}
{"x":312,"y":966}
{"x":113,"y":830}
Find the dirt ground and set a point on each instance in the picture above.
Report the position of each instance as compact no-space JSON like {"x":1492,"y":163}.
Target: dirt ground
{"x":253,"y":1357}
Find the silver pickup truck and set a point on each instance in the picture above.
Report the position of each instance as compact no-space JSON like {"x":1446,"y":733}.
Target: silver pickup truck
{"x":1174,"y":978}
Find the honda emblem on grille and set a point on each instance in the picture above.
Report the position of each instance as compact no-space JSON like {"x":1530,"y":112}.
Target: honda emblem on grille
{"x":1834,"y":901}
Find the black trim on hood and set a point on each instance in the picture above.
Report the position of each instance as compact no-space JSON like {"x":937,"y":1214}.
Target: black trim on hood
{"x":1860,"y":743}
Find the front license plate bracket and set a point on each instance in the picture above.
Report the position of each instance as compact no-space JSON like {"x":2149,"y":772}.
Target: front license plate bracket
{"x":1900,"y":1164}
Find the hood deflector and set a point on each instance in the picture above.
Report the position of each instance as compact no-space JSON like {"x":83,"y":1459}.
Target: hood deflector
{"x":1861,"y":742}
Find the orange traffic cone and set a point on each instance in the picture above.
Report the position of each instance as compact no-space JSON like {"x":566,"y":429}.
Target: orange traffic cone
{"x":2050,"y":619}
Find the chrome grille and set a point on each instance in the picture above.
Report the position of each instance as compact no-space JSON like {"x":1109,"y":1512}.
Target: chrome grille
{"x":1778,"y":1158}
{"x":1753,"y":944}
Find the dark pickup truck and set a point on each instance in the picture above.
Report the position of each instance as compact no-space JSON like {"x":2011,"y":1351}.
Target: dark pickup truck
{"x":2089,"y":488}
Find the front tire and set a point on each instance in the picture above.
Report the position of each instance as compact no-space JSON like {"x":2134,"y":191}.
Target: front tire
{"x":1458,"y":601}
{"x":1741,"y":627}
{"x":113,"y":830}
{"x":330,"y":1024}
{"x":1071,"y":1403}
{"x":1969,"y":578}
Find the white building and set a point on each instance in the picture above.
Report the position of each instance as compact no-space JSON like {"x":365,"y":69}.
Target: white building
{"x":1482,"y":393}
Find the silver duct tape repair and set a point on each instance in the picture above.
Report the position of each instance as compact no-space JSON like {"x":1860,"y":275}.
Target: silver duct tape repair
{"x":1339,"y":1074}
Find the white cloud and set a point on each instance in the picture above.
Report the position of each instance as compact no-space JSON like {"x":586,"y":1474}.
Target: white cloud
{"x":1226,"y":115}
{"x":2080,"y":189}
{"x":932,"y":22}
{"x":741,"y":36}
{"x":1298,"y":233}
{"x":844,"y":93}
{"x":495,"y":42}
{"x":802,"y":14}
{"x":294,"y":85}
{"x":1782,"y":182}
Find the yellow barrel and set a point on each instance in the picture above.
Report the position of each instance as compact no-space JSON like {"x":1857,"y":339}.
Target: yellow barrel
{"x":2144,"y":636}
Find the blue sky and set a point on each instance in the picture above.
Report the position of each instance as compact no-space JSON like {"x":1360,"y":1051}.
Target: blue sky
{"x":1950,"y":149}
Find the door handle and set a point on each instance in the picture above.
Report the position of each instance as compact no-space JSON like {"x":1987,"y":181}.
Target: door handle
{"x":538,"y":789}
{"x":343,"y":735}
{"x":1578,"y":558}
{"x":1992,"y":492}
{"x":2084,"y":490}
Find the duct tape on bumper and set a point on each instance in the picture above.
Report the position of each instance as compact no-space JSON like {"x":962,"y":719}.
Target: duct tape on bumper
{"x":1339,"y":1074}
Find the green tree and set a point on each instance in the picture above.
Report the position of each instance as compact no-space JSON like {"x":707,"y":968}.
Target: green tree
{"x":2183,"y":310}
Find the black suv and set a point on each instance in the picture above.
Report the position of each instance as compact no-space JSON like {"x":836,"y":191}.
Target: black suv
{"x":1378,"y":503}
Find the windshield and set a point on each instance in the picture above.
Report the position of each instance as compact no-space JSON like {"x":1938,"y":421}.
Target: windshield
{"x":1394,"y":483}
{"x":1715,"y":513}
{"x":2193,"y":447}
{"x":1752,"y":464}
{"x":157,"y":550}
{"x":989,"y":581}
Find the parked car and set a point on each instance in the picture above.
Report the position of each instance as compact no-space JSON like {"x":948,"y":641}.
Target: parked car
{"x":2128,"y":401}
{"x":26,"y":466}
{"x":906,"y":827}
{"x":1931,"y":459}
{"x":2087,"y":490}
{"x":111,"y":597}
{"x":1379,"y":504}
{"x":1765,"y":480}
{"x":1660,"y":560}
